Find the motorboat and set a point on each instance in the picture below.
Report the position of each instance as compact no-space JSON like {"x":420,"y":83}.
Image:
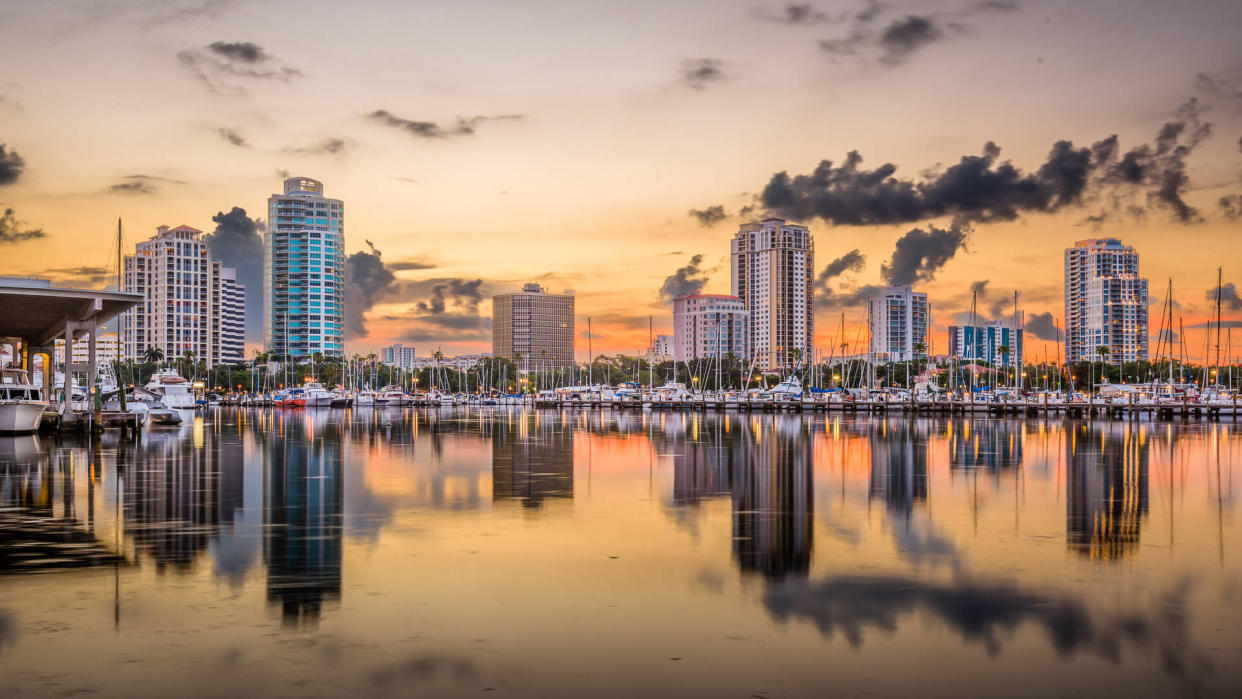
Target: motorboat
{"x":316,"y":395}
{"x":21,"y":402}
{"x":174,"y":391}
{"x":789,"y":388}
{"x":393,"y":396}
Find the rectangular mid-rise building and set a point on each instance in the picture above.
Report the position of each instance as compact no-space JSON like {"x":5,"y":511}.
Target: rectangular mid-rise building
{"x":1105,"y":302}
{"x":535,"y":326}
{"x":984,"y":342}
{"x":898,"y":318}
{"x":710,"y":325}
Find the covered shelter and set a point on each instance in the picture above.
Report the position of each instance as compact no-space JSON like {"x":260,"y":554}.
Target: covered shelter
{"x":36,"y":314}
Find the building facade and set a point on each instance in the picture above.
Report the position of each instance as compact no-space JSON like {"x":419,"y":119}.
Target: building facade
{"x":183,"y":287}
{"x":661,"y":348}
{"x":304,"y":272}
{"x":982,"y":342}
{"x":1105,"y":302}
{"x":536,"y":325}
{"x":107,"y":349}
{"x":710,"y":325}
{"x":898,"y":318}
{"x":772,"y":266}
{"x":232,"y":317}
{"x":399,"y":356}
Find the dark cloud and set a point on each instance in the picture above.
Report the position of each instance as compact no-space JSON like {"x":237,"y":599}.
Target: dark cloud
{"x":698,"y":73}
{"x":1229,"y":299}
{"x":794,"y":13}
{"x":982,"y":188}
{"x":1042,"y":326}
{"x":11,"y":165}
{"x":1231,"y":206}
{"x":902,"y":37}
{"x":224,"y":66}
{"x":366,"y":280}
{"x":411,"y":264}
{"x":141,"y":184}
{"x":1223,"y":324}
{"x":686,"y":280}
{"x":710,"y":216}
{"x":1223,"y":88}
{"x":83,"y":277}
{"x":15,"y":231}
{"x":988,"y":613}
{"x":328,"y":146}
{"x":233,"y":136}
{"x":237,"y":241}
{"x":920,"y":254}
{"x":1165,"y":335}
{"x":979,"y":288}
{"x":852,"y":261}
{"x":463,"y":126}
{"x":461,"y":294}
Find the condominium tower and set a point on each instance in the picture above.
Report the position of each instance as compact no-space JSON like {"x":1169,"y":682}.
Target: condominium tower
{"x":710,"y":325}
{"x":1105,"y":302}
{"x":304,"y":272}
{"x":983,"y":343}
{"x":185,"y":308}
{"x":536,"y":325}
{"x":898,"y":318}
{"x":232,"y":317}
{"x":399,"y":356}
{"x":772,"y":266}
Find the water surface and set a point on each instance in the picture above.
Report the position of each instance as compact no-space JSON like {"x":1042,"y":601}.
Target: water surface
{"x":543,"y":553}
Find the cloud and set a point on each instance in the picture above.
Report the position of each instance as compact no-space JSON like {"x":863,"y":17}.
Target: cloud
{"x":698,"y":73}
{"x":1228,"y":297}
{"x":226,"y":67}
{"x":141,"y":184}
{"x":979,"y":288}
{"x":902,"y":37}
{"x":1231,"y":206}
{"x":1223,"y":324}
{"x":1223,"y":88}
{"x":1165,"y":335}
{"x":177,"y":11}
{"x":233,"y":136}
{"x":461,"y":294}
{"x":366,"y":280}
{"x":920,"y":254}
{"x":463,"y":126}
{"x":11,"y":165}
{"x":710,"y":216}
{"x":14,"y":231}
{"x":1042,"y":326}
{"x":686,"y":280}
{"x":982,"y":188}
{"x":988,"y":613}
{"x":83,"y":277}
{"x":411,"y":264}
{"x":852,"y":261}
{"x":328,"y":146}
{"x":794,"y":14}
{"x":237,"y":241}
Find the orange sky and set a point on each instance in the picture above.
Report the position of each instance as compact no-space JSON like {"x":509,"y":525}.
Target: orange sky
{"x":631,"y":114}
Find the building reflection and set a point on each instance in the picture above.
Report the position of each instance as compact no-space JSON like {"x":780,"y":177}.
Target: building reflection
{"x":703,"y":463}
{"x":993,"y":445}
{"x":1106,"y":490}
{"x":899,"y":464}
{"x":771,"y":486}
{"x":302,"y":516}
{"x":532,"y":459}
{"x":172,"y":499}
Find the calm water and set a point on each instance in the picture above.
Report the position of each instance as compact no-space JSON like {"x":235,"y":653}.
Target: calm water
{"x":566,"y":554}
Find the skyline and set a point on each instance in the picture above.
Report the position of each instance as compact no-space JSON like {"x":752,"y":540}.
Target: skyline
{"x":548,"y":146}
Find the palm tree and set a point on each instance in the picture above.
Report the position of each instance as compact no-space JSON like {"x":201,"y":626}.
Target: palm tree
{"x":1103,"y":351}
{"x":153,"y":355}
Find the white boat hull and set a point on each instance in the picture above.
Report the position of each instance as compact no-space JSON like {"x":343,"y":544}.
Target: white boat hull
{"x":21,"y":416}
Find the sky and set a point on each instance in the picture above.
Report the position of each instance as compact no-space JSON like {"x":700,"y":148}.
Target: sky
{"x":612,"y":149}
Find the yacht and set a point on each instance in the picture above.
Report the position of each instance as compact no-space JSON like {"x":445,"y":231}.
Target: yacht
{"x":173,"y":391}
{"x":316,"y":395}
{"x":21,"y":402}
{"x":392,"y":395}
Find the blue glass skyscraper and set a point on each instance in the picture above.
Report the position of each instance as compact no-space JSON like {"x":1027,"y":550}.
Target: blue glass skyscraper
{"x":304,"y":272}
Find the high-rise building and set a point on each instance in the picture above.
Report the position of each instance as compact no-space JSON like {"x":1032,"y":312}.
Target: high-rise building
{"x":398,"y":356}
{"x":232,"y":317}
{"x":304,"y":272}
{"x":982,"y":342}
{"x":107,"y":349}
{"x":710,"y":325}
{"x":1105,"y":302}
{"x":662,"y":348}
{"x":898,"y":317}
{"x":536,"y":325}
{"x":183,"y":288}
{"x":773,"y":265}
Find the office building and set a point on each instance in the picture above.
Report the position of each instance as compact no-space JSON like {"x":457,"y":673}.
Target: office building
{"x":535,"y":325}
{"x":232,"y":317}
{"x":1105,"y":302}
{"x":898,"y":318}
{"x":710,"y":325}
{"x":399,"y":356}
{"x":304,"y":272}
{"x":772,"y":267}
{"x":983,"y":342}
{"x":183,"y":287}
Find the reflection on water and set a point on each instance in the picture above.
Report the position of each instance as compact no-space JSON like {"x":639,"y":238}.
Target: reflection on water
{"x":619,"y":554}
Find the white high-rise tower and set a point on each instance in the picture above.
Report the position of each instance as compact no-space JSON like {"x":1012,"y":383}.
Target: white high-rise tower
{"x":773,"y":265}
{"x":1105,"y":302}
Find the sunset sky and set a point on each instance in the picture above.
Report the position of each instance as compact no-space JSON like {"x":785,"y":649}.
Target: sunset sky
{"x":586,"y":145}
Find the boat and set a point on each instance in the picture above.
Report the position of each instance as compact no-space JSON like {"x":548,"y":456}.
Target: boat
{"x":392,"y":395}
{"x":21,"y":402}
{"x":316,"y":395}
{"x":173,"y":391}
{"x":789,"y":388}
